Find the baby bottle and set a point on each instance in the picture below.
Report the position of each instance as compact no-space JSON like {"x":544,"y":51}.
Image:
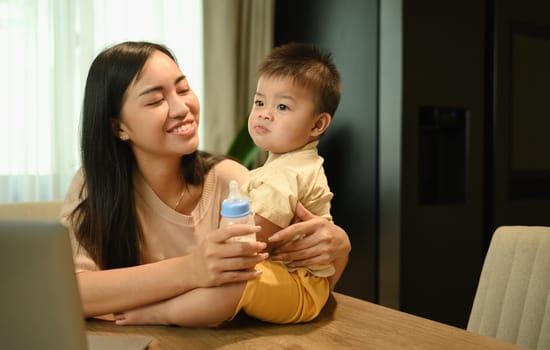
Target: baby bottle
{"x":236,"y":210}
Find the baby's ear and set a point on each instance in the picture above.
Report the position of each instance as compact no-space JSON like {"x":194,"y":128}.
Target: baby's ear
{"x":322,"y":121}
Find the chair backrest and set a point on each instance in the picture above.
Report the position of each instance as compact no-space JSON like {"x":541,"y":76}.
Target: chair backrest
{"x":47,"y":210}
{"x":512,"y":302}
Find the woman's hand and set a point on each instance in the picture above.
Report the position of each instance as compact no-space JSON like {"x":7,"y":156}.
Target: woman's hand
{"x":216,"y":261}
{"x":322,"y":243}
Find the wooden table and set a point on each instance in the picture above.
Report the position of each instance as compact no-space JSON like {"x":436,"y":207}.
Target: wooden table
{"x":345,"y":323}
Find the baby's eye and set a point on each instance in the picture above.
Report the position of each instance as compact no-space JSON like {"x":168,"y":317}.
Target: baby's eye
{"x":258,"y":103}
{"x":282,"y":107}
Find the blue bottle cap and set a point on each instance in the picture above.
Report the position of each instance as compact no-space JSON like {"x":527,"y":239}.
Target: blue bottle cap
{"x":235,"y":206}
{"x":232,"y":208}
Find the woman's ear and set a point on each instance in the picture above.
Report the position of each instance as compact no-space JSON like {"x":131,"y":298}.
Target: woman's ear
{"x":321,"y":124}
{"x":116,"y":126}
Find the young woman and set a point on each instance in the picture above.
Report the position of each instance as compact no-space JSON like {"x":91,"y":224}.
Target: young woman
{"x":144,"y":209}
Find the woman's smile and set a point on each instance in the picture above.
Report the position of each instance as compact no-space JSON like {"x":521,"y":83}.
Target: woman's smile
{"x":184,"y":129}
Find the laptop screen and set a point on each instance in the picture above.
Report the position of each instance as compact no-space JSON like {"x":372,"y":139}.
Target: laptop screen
{"x":39,"y":295}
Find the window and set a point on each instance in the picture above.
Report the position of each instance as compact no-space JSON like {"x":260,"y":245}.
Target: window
{"x":48,"y":46}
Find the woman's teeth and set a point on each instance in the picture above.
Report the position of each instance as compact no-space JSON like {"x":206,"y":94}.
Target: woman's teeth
{"x":182,"y":128}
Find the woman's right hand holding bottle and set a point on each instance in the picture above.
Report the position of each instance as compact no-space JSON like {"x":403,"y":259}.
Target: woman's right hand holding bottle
{"x":217,"y":261}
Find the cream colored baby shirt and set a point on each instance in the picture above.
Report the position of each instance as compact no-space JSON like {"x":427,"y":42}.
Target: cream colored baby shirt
{"x":286,"y":179}
{"x":275,"y":188}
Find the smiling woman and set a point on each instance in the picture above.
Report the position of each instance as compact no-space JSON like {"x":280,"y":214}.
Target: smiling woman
{"x":47,"y":49}
{"x":160,"y":90}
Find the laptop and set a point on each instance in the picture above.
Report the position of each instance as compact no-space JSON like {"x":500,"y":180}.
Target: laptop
{"x":39,"y":299}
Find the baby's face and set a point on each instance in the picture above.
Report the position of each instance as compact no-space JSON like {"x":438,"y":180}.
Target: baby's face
{"x":283,"y":115}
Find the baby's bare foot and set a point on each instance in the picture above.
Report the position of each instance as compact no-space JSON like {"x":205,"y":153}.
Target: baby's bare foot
{"x":136,"y":317}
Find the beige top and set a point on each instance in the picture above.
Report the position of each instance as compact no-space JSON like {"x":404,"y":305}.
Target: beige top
{"x":275,"y":188}
{"x":166,"y":232}
{"x":286,"y":179}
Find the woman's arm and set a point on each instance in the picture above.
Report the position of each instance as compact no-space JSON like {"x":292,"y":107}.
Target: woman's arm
{"x":323,"y":243}
{"x":212,"y":263}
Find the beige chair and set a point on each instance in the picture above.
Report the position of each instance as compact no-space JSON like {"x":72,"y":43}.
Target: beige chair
{"x":512,"y":302}
{"x":31,"y":210}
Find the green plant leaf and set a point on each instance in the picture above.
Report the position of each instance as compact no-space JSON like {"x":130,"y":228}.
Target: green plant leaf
{"x":243,"y":148}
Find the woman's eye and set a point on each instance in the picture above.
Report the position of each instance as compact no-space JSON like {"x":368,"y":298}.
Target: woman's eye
{"x":183,"y":91}
{"x":156,"y":102}
{"x":282,"y":107}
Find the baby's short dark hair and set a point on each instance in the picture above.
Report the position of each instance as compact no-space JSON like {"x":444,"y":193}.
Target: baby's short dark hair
{"x":309,"y":67}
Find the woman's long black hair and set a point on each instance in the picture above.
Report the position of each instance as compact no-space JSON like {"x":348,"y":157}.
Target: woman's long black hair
{"x":105,"y":221}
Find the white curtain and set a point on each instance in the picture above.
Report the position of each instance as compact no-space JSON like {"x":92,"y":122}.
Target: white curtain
{"x":47,"y":48}
{"x":237,"y":36}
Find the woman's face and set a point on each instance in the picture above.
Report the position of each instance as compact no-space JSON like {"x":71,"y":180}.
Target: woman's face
{"x":160,"y":112}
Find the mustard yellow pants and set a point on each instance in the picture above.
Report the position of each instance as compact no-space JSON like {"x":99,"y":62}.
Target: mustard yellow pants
{"x":281,"y":296}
